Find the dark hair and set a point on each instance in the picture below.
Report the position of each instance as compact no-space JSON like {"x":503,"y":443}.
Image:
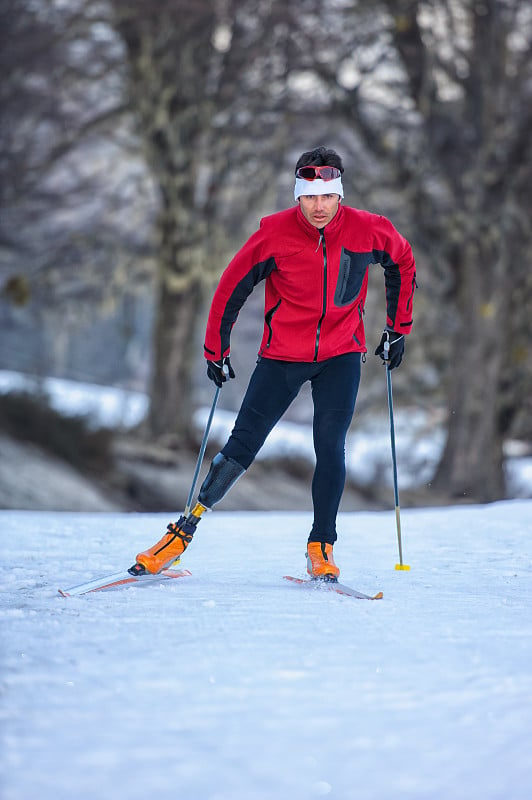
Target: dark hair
{"x":320,"y":157}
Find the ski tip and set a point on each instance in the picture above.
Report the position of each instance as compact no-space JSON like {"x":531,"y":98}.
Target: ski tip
{"x":378,"y":596}
{"x":63,"y":593}
{"x":404,"y":567}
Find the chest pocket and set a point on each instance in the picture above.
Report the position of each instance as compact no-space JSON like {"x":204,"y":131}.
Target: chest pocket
{"x":353,"y":268}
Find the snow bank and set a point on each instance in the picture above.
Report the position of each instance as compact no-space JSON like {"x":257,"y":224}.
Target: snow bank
{"x":419,"y":436}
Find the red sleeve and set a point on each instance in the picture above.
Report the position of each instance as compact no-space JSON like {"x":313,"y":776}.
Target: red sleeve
{"x":250,"y":265}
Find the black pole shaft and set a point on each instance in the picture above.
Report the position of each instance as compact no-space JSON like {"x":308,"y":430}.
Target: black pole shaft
{"x":392,"y":434}
{"x":201,"y":454}
{"x":394,"y":464}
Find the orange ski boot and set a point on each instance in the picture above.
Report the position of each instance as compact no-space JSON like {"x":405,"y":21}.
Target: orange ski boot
{"x":320,"y":561}
{"x":171,"y":546}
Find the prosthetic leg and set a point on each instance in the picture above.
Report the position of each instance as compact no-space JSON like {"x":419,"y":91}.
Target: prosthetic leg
{"x":224,"y":472}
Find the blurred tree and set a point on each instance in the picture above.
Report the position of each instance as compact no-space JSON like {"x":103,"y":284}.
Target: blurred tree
{"x":431,"y":99}
{"x":207,"y":119}
{"x":68,"y":171}
{"x":444,"y":96}
{"x":469,"y":76}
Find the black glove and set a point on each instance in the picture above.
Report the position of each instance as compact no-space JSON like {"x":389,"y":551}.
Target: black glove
{"x":219,"y":370}
{"x":396,"y":342}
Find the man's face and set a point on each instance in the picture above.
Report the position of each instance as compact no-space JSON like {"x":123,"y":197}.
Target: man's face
{"x":319,"y":209}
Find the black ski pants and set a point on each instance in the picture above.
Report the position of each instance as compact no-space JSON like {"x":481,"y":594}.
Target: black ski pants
{"x":272,"y":388}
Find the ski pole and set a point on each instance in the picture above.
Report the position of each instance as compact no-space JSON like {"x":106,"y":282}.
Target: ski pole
{"x":400,"y":565}
{"x":201,"y":453}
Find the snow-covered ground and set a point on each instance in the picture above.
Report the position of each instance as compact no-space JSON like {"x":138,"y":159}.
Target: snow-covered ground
{"x":235,"y":685}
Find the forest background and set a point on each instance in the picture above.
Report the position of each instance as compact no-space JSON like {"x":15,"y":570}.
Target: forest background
{"x":140,"y":143}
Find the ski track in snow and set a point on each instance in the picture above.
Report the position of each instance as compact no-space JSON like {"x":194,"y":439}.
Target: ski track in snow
{"x":235,"y":684}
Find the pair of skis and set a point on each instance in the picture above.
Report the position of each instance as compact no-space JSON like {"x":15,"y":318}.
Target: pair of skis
{"x":121,"y":579}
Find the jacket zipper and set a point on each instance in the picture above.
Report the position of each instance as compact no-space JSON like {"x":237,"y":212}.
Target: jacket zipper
{"x":324,"y":306}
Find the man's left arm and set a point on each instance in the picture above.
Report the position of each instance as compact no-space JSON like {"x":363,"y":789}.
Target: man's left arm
{"x":395,"y":255}
{"x":399,"y":266}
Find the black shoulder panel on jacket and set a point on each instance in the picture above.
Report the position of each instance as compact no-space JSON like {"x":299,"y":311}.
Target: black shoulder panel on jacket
{"x":240,"y":293}
{"x":392,"y":280}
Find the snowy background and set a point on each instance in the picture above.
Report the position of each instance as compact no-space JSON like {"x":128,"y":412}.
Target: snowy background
{"x":420,"y":433}
{"x":236,"y":684}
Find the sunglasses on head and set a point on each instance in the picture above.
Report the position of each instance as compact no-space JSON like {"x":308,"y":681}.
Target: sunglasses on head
{"x":311,"y":173}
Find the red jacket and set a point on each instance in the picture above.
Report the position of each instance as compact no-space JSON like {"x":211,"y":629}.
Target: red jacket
{"x":316,"y":284}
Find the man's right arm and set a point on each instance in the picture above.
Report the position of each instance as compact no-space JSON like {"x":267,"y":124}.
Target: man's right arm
{"x":249,"y":266}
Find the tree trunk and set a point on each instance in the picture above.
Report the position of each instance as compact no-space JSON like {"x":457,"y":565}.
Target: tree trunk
{"x":472,"y":463}
{"x":475,"y":141}
{"x":170,"y":59}
{"x":178,"y":309}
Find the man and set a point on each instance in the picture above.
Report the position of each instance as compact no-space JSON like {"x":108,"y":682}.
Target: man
{"x":314,"y":258}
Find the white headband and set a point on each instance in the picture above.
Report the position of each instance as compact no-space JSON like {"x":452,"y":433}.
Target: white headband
{"x":318,"y":187}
